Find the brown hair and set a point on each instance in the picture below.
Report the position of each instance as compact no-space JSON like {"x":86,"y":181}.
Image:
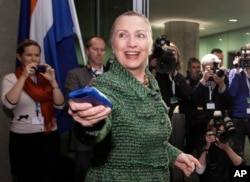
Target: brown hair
{"x":88,"y":40}
{"x":178,"y":53}
{"x":26,"y":43}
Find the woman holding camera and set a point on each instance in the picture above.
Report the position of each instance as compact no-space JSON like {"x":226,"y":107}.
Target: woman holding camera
{"x":32,"y":94}
{"x":218,"y":154}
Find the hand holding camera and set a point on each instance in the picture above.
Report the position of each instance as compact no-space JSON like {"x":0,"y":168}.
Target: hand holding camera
{"x":242,"y":60}
{"x":208,"y":73}
{"x":47,"y":72}
{"x":40,"y":69}
{"x":224,"y":127}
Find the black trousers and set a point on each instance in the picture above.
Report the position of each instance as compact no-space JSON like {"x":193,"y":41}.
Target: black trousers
{"x":34,"y":157}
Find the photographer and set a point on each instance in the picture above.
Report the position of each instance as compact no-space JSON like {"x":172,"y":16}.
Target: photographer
{"x":209,"y":94}
{"x":164,"y":65}
{"x":218,"y":152}
{"x":32,"y":94}
{"x":239,"y":89}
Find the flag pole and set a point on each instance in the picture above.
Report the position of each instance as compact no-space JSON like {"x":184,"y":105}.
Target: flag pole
{"x":77,"y":30}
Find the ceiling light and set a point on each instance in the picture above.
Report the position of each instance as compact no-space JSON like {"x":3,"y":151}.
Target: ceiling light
{"x":247,"y":33}
{"x":232,"y":20}
{"x":220,"y":39}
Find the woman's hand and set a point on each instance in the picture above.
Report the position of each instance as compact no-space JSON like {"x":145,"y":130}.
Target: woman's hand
{"x":207,"y":73}
{"x":221,"y":145}
{"x":187,"y":163}
{"x":49,"y":73}
{"x":29,"y":69}
{"x":86,"y":114}
{"x":210,"y":138}
{"x":219,"y":81}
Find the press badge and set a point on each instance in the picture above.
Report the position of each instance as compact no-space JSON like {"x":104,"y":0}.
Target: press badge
{"x":248,"y":110}
{"x":38,"y":120}
{"x":173,"y":100}
{"x":210,"y":105}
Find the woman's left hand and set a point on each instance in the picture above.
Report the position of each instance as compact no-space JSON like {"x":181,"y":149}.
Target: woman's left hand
{"x":187,"y":163}
{"x":49,"y":74}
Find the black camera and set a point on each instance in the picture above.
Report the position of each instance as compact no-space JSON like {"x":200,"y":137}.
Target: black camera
{"x":165,"y":60}
{"x":161,"y":41}
{"x":219,"y":72}
{"x":40,"y":69}
{"x":223,"y":136}
{"x":244,"y":62}
{"x":229,"y":127}
{"x":243,"y":57}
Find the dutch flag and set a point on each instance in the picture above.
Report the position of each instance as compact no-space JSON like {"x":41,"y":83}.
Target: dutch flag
{"x":54,"y":25}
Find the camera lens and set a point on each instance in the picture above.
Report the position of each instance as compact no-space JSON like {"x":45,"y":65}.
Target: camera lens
{"x":222,"y":136}
{"x":220,"y":73}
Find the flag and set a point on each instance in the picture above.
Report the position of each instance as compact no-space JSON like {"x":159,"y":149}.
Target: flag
{"x":50,"y":23}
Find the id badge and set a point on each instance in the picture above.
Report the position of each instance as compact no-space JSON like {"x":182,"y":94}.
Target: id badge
{"x":248,"y":110}
{"x":38,"y":120}
{"x":210,"y":105}
{"x":173,"y":100}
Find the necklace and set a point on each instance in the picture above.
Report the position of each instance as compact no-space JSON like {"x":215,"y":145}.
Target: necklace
{"x":146,"y":81}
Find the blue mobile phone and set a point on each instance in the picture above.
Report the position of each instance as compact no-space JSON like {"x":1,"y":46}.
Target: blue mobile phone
{"x":90,"y":94}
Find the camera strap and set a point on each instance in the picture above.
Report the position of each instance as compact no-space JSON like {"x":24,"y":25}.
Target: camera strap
{"x":173,"y":84}
{"x":39,"y":119}
{"x":38,"y":108}
{"x":211,"y":86}
{"x":174,"y":99}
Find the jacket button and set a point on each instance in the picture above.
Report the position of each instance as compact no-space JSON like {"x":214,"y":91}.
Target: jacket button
{"x":166,"y":168}
{"x":157,"y":97}
{"x":165,"y":143}
{"x":163,"y":121}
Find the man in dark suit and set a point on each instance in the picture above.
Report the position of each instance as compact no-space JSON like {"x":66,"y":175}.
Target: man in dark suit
{"x":79,"y":78}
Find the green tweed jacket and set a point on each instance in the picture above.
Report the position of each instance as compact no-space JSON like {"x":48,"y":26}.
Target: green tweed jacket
{"x":131,"y":145}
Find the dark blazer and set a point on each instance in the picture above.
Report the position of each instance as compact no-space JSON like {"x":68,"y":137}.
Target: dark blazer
{"x":182,"y":89}
{"x":78,"y":78}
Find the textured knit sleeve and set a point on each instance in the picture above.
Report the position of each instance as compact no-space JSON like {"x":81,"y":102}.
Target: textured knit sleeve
{"x":92,"y":135}
{"x":173,"y":153}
